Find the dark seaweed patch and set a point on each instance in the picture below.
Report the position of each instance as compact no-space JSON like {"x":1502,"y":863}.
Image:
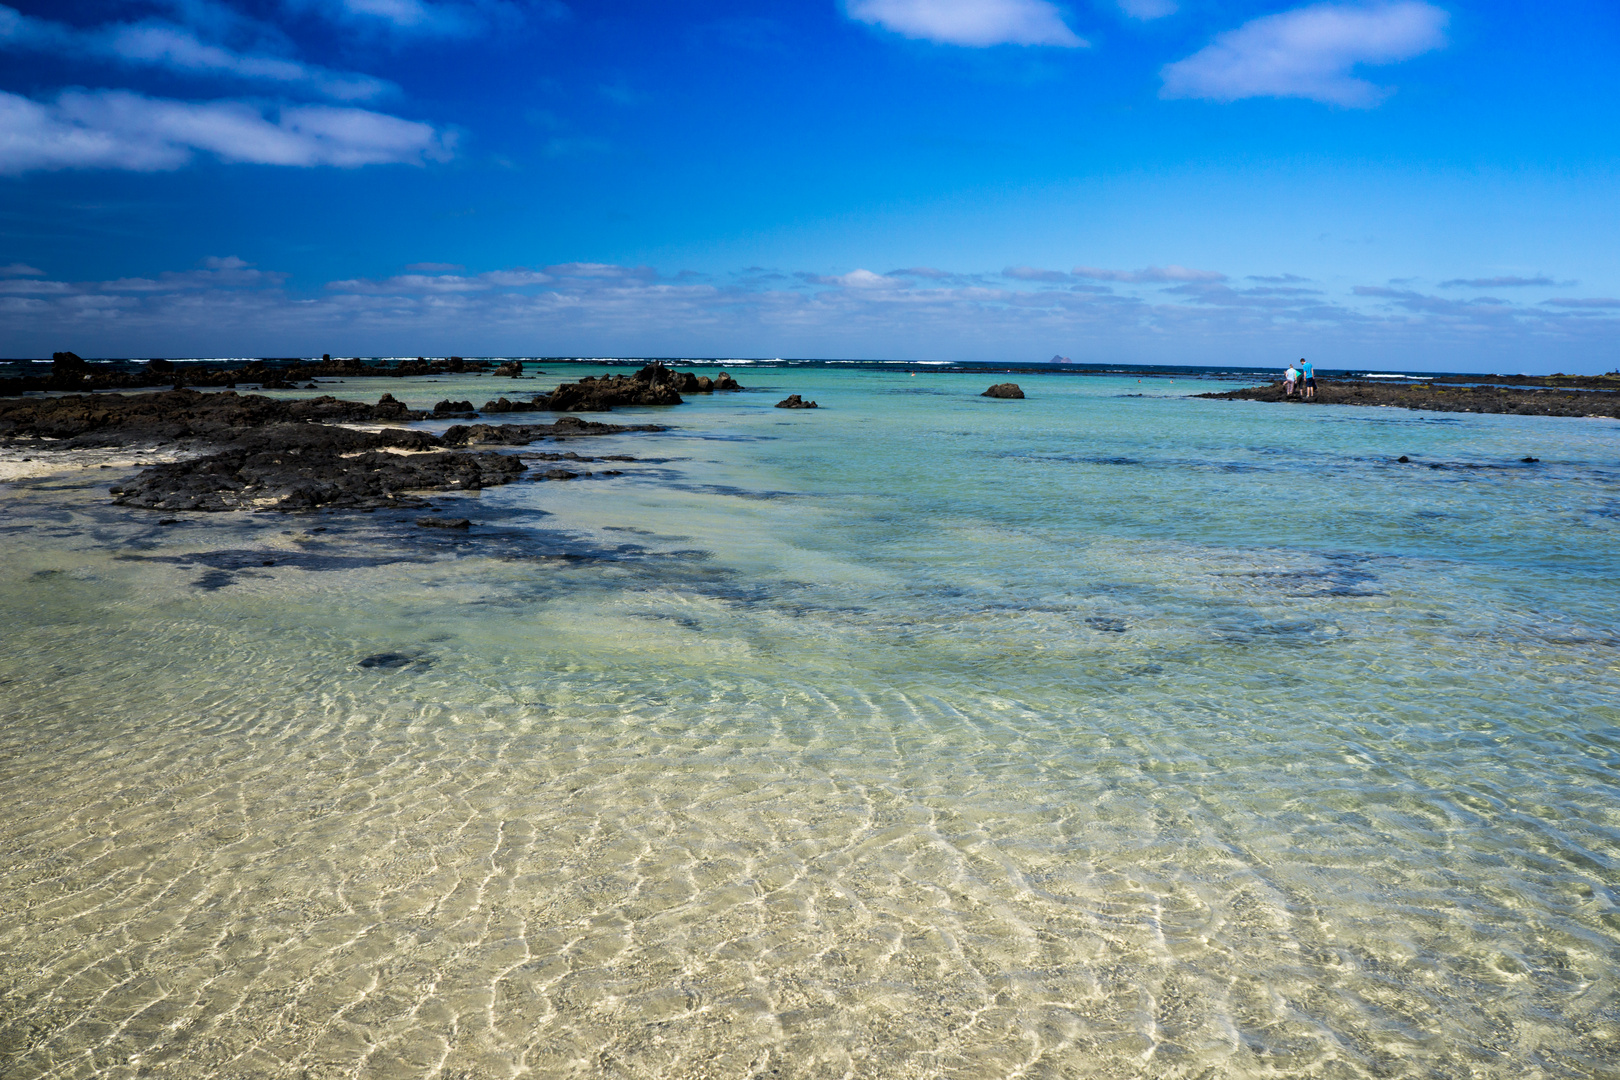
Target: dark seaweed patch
{"x":214,"y":579}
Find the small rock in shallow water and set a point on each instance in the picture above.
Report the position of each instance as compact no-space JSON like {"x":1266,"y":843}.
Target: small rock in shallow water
{"x":443,"y":523}
{"x":1529,"y":460}
{"x":1403,"y":459}
{"x":1004,"y":390}
{"x":794,"y":401}
{"x":393,"y":661}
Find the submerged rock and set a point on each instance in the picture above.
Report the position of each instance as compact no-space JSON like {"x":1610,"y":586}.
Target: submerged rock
{"x":392,"y":661}
{"x":443,"y":523}
{"x":1003,"y":390}
{"x":794,"y":401}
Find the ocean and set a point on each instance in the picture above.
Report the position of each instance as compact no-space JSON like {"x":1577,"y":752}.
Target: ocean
{"x":1107,"y":733}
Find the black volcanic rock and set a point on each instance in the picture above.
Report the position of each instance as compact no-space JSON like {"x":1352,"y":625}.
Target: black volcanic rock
{"x":501,"y":405}
{"x":1003,"y":390}
{"x":654,"y":384}
{"x":794,"y":401}
{"x":70,"y":373}
{"x":1437,"y":398}
{"x":284,"y":455}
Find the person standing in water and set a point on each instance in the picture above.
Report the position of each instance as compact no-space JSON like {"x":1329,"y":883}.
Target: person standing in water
{"x":1289,"y":377}
{"x":1308,"y":369}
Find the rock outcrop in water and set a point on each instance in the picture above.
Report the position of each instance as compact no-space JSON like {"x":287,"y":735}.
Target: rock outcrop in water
{"x":794,"y":401}
{"x":1004,"y":390}
{"x":654,"y":384}
{"x":285,"y":455}
{"x":1436,"y":398}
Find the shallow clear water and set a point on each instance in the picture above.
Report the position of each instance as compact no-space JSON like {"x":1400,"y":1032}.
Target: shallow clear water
{"x":1089,"y":735}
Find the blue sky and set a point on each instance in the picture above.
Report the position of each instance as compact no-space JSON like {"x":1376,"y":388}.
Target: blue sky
{"x":1405,"y":184}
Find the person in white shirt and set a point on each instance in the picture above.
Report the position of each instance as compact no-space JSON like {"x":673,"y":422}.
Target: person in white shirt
{"x":1289,"y":378}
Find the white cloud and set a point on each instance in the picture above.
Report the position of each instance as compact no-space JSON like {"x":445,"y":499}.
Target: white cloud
{"x":465,"y":18}
{"x":1309,"y":53}
{"x":976,"y":23}
{"x":1032,"y":273}
{"x":412,"y":15}
{"x":178,"y":49}
{"x":117,"y":129}
{"x":605,"y":309}
{"x":20,"y":270}
{"x":1152,"y":274}
{"x":1147,"y":9}
{"x":857,"y":279}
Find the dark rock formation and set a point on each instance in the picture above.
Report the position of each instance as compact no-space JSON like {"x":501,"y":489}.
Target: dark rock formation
{"x":654,"y":384}
{"x":70,"y":373}
{"x":794,"y":401}
{"x":303,"y":466}
{"x":539,"y":403}
{"x":443,"y":523}
{"x":263,"y":453}
{"x":1435,"y":398}
{"x":1003,"y":390}
{"x":523,"y":434}
{"x":67,"y":365}
{"x":176,"y":416}
{"x":460,"y":410}
{"x":512,"y":369}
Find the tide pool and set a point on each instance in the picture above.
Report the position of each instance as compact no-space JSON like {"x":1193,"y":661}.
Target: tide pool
{"x":1107,"y":733}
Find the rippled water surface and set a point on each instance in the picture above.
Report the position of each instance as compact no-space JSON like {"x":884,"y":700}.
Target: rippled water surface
{"x":1090,"y":735}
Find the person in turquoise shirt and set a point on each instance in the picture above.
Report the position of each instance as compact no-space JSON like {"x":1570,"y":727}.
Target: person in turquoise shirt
{"x":1308,"y":370}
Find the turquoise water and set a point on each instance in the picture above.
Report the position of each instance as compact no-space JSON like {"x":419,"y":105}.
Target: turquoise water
{"x":1090,"y":735}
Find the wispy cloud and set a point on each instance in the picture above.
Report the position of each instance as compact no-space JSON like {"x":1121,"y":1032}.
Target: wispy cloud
{"x":1584,"y":302}
{"x":855,"y":279}
{"x":14,"y":270}
{"x":1309,"y":53}
{"x":1502,"y":282}
{"x":443,"y":19}
{"x":974,"y":23}
{"x":227,"y":307}
{"x":117,"y":129}
{"x":1147,"y":9}
{"x":177,"y":49}
{"x":1151,"y":274}
{"x":1031,"y":273}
